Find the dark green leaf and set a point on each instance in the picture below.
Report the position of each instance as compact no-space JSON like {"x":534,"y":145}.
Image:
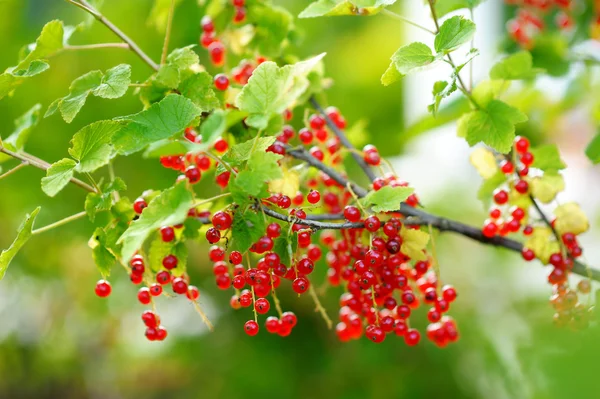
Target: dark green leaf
{"x":593,"y":149}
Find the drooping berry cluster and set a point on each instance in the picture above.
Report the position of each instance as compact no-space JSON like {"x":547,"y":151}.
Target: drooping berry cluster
{"x":515,"y":210}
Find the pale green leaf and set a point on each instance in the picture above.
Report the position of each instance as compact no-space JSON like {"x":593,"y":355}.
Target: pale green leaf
{"x":167,"y":209}
{"x":272,"y":89}
{"x":387,"y":198}
{"x":514,"y":67}
{"x":453,"y":33}
{"x":494,"y":125}
{"x":49,"y":42}
{"x":23,"y":234}
{"x":444,"y":7}
{"x":115,"y":82}
{"x":200,"y":89}
{"x":545,"y":188}
{"x":58,"y":176}
{"x":23,"y":128}
{"x":547,"y":158}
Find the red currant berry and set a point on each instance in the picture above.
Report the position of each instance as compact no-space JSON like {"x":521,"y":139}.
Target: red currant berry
{"x":351,"y":213}
{"x":170,"y":262}
{"x":449,"y":293}
{"x":235,"y":258}
{"x":221,"y":82}
{"x":313,"y":197}
{"x":522,"y":186}
{"x":150,"y":319}
{"x":273,"y":230}
{"x":139,"y":205}
{"x":156,"y":289}
{"x":163,"y":277}
{"x":284,"y":202}
{"x":300,"y":285}
{"x":372,"y":223}
{"x":217,"y":53}
{"x":143,"y":296}
{"x":179,"y":285}
{"x":507,"y":167}
{"x":103,"y":288}
{"x":412,"y":337}
{"x":521,"y":144}
{"x":192,"y":293}
{"x":527,"y":254}
{"x":251,"y":328}
{"x":207,"y":24}
{"x":262,"y":305}
{"x":375,"y":333}
{"x":167,"y":233}
{"x":272,"y":324}
{"x":221,"y":220}
{"x":500,"y":197}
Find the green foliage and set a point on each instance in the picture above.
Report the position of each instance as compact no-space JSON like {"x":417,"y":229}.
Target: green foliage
{"x":453,"y":33}
{"x":97,"y":202}
{"x":200,"y":89}
{"x":262,"y":167}
{"x":58,"y":176}
{"x":493,"y":125}
{"x":23,"y":234}
{"x":515,"y":67}
{"x":272,"y":89}
{"x":443,"y":7}
{"x":161,"y":121}
{"x":410,"y":58}
{"x":23,"y":127}
{"x":272,"y":26}
{"x":547,"y":158}
{"x":113,"y":84}
{"x":91,"y":146}
{"x":323,"y":8}
{"x":103,"y":258}
{"x":159,"y":14}
{"x":387,"y":198}
{"x":248,"y":226}
{"x":592,"y":151}
{"x":167,"y":209}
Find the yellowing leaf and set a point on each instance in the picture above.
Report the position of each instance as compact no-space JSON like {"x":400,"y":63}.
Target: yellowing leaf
{"x":570,"y":219}
{"x":288,"y":185}
{"x":541,"y":242}
{"x":413,"y":243}
{"x":545,"y":188}
{"x":484,"y":161}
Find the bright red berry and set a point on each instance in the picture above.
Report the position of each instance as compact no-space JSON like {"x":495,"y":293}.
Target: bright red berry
{"x":170,"y":262}
{"x":103,"y":288}
{"x":139,"y":205}
{"x":221,"y":82}
{"x":192,"y":293}
{"x":352,"y":213}
{"x":221,"y":220}
{"x":144,"y":296}
{"x":179,"y":285}
{"x":251,"y":328}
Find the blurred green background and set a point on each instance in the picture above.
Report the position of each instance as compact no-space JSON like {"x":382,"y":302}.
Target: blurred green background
{"x":58,"y":340}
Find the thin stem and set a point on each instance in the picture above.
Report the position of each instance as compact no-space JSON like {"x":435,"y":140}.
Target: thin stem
{"x":434,"y":15}
{"x":203,"y":316}
{"x":91,"y":179}
{"x":436,"y":265}
{"x":59,"y":223}
{"x":343,"y":139}
{"x":219,"y":160}
{"x":276,"y":302}
{"x":206,"y":201}
{"x":399,"y":17}
{"x":87,"y":7}
{"x":111,"y":174}
{"x":165,"y":49}
{"x":319,"y":307}
{"x":472,"y":15}
{"x":13,"y":170}
{"x":124,"y":46}
{"x":38,"y":163}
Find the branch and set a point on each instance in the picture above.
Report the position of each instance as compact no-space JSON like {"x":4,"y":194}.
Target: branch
{"x":13,"y":170}
{"x":415,"y":217}
{"x":87,"y":7}
{"x":38,"y":163}
{"x":399,"y":17}
{"x":124,"y":46}
{"x":344,"y":140}
{"x":306,"y":156}
{"x":60,"y":223}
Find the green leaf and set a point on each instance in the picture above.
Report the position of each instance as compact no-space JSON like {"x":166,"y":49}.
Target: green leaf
{"x":162,"y":120}
{"x":494,"y":125}
{"x":167,"y":209}
{"x":23,"y":128}
{"x":159,"y":14}
{"x":103,"y":258}
{"x":200,"y":89}
{"x":444,"y":7}
{"x":158,"y":251}
{"x":114,"y":83}
{"x":91,"y":146}
{"x":213,"y":127}
{"x":11,"y":79}
{"x":453,"y":33}
{"x":177,"y":67}
{"x":413,"y":243}
{"x":23,"y":234}
{"x":168,"y":76}
{"x":58,"y":176}
{"x":592,"y":151}
{"x":96,"y":202}
{"x":408,"y":59}
{"x":246,"y":229}
{"x":262,"y":168}
{"x":441,"y":90}
{"x":323,"y":8}
{"x":49,"y":42}
{"x":514,"y":67}
{"x":489,"y":90}
{"x":272,"y":89}
{"x":547,"y":158}
{"x":240,"y":153}
{"x":272,"y":25}
{"x":80,"y":88}
{"x":280,"y":247}
{"x":550,"y":51}
{"x":387,"y":198}
{"x":546,"y":187}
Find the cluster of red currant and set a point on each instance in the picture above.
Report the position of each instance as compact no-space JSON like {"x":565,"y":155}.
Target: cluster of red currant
{"x":505,"y":219}
{"x":531,"y":15}
{"x":209,"y":40}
